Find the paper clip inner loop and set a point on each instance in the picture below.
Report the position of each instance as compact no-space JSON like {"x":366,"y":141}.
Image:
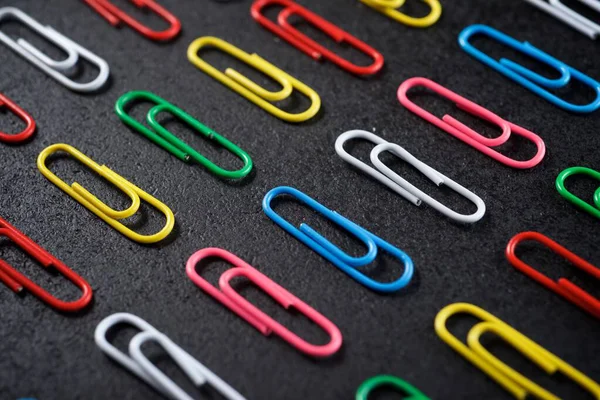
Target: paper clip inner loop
{"x":249,"y":89}
{"x":17,"y":281}
{"x":227,"y":296}
{"x":564,"y":192}
{"x":466,"y":134}
{"x":288,"y":32}
{"x":348,"y":264}
{"x":52,"y":67}
{"x":23,"y":115}
{"x":512,"y":381}
{"x":526,"y":77}
{"x":138,"y":364}
{"x":92,"y":203}
{"x":563,"y":286}
{"x":411,"y":393}
{"x":389,"y":8}
{"x":165,"y":139}
{"x":114,"y":15}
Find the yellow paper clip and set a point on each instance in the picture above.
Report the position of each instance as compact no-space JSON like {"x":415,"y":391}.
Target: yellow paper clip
{"x":515,"y":383}
{"x":92,"y":203}
{"x":249,"y":89}
{"x":390,"y":9}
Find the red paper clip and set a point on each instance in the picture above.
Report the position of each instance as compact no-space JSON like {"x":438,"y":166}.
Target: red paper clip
{"x":261,"y":321}
{"x":17,"y":281}
{"x":287,"y":32}
{"x":115,"y":15}
{"x":19,"y":112}
{"x":563,"y":286}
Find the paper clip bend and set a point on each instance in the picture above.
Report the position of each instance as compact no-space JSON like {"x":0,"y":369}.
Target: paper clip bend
{"x":512,"y":381}
{"x":247,"y":88}
{"x":412,"y":393}
{"x":165,"y":139}
{"x":23,"y":115}
{"x":55,"y":69}
{"x":92,"y":203}
{"x":289,"y":33}
{"x":569,"y":16}
{"x":227,"y":296}
{"x":526,"y":77}
{"x":466,"y":134}
{"x":139,"y":365}
{"x":389,"y":8}
{"x":564,"y":192}
{"x":115,"y":15}
{"x":348,"y":264}
{"x":563,"y":286}
{"x":17,"y":281}
{"x":400,"y":186}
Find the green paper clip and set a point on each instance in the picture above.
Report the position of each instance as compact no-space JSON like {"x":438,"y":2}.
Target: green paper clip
{"x":389,"y":380}
{"x":585,"y":206}
{"x":165,"y":139}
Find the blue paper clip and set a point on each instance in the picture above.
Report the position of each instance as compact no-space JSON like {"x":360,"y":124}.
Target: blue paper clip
{"x":525,"y":77}
{"x":334,"y":254}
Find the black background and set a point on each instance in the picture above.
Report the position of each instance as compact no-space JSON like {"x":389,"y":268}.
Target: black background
{"x":49,"y":355}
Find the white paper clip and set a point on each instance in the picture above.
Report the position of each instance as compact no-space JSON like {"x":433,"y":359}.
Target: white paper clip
{"x":399,"y":185}
{"x":570,"y":17}
{"x":56,"y":69}
{"x":138,"y":364}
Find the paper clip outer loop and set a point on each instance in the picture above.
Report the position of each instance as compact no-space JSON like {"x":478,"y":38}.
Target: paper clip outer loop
{"x":115,"y":15}
{"x":257,"y":318}
{"x":436,"y":177}
{"x":563,"y":286}
{"x":457,"y":129}
{"x":46,"y":64}
{"x":525,"y":77}
{"x":512,"y":381}
{"x":23,"y":115}
{"x":139,"y":365}
{"x":392,"y":12}
{"x":307,"y":45}
{"x":17,"y":281}
{"x":332,"y":253}
{"x":250,"y":90}
{"x":365,"y":389}
{"x":564,"y":192}
{"x":165,"y":139}
{"x":101,"y":210}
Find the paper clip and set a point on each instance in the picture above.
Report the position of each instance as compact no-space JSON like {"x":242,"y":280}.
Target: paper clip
{"x":389,"y":8}
{"x":365,"y":389}
{"x":400,"y":186}
{"x":139,"y":365}
{"x":512,"y":381}
{"x":526,"y":77}
{"x":115,"y":15}
{"x":348,"y":264}
{"x":17,"y":281}
{"x":22,"y":114}
{"x":92,"y":203}
{"x":563,"y":286}
{"x":55,"y":69}
{"x":466,"y":134}
{"x":564,"y":192}
{"x":247,"y":88}
{"x":165,"y":139}
{"x":227,"y":296}
{"x":289,"y":33}
{"x":567,"y":15}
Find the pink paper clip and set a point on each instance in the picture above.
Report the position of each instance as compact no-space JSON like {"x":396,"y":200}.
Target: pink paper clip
{"x":466,"y":134}
{"x":261,"y":321}
{"x":19,"y":112}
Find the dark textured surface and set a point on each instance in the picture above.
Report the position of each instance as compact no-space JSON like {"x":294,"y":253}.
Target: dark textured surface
{"x":53,"y":356}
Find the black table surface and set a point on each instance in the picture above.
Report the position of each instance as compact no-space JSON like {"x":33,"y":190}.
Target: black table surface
{"x":49,"y":355}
